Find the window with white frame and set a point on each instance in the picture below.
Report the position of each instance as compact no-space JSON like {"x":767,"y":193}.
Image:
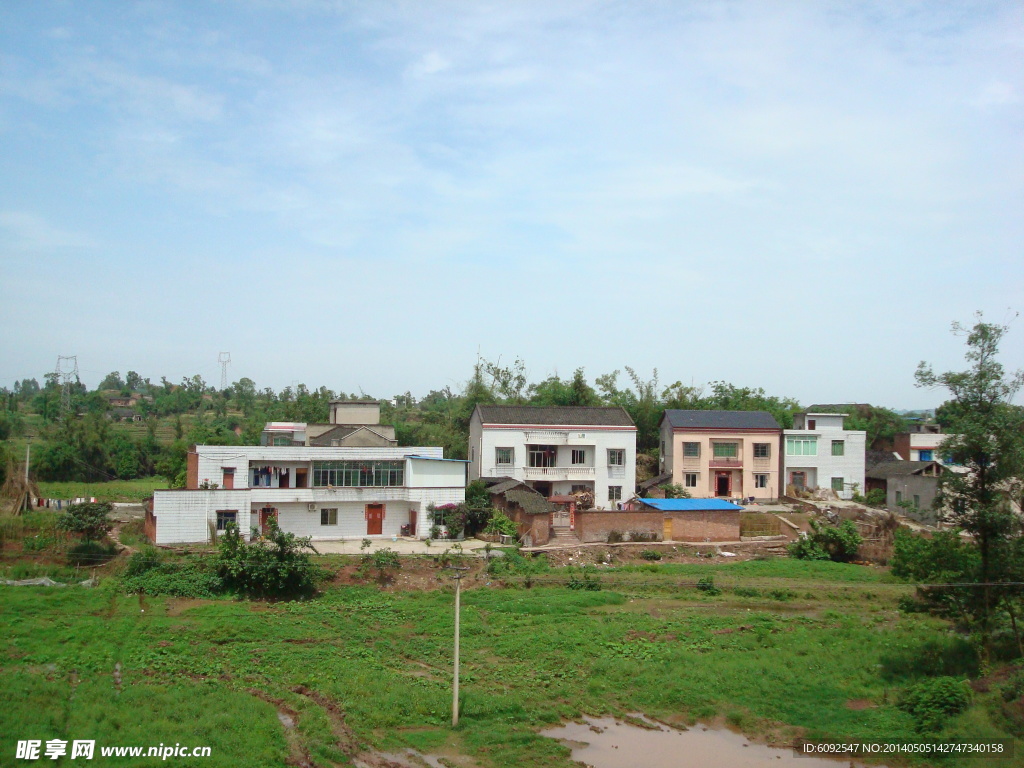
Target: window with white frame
{"x":691,"y":450}
{"x":801,"y":446}
{"x":690,"y":480}
{"x":226,"y":516}
{"x":329,"y":516}
{"x":762,"y":450}
{"x":616,"y":457}
{"x":579,"y":456}
{"x":838,"y":448}
{"x":614,"y":493}
{"x":504,"y":457}
{"x":760,"y":481}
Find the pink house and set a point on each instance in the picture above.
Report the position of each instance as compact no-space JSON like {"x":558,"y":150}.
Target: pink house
{"x":724,"y":454}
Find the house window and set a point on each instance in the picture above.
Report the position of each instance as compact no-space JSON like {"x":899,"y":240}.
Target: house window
{"x":226,"y":516}
{"x":358,"y":474}
{"x":616,"y":457}
{"x":329,"y":516}
{"x":760,"y":481}
{"x":540,"y":455}
{"x":504,"y":457}
{"x":837,"y":484}
{"x":579,"y":456}
{"x":917,"y":501}
{"x":899,"y":497}
{"x":279,"y":440}
{"x":762,"y":450}
{"x":725,"y":450}
{"x":691,"y":450}
{"x":801,"y":446}
{"x":614,"y":493}
{"x":925,"y":455}
{"x":838,"y":448}
{"x":690,"y":480}
{"x":579,"y":489}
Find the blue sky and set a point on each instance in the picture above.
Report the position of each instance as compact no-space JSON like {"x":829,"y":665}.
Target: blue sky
{"x":799,"y":196}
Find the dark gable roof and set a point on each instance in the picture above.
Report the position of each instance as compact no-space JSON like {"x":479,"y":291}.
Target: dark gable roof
{"x":564,"y":416}
{"x":720,"y":419}
{"x":889,"y":469}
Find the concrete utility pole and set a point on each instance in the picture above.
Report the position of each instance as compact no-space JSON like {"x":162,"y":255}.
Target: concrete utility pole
{"x":459,"y":572}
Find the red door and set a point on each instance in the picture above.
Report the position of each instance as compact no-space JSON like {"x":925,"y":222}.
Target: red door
{"x":229,"y":479}
{"x":374,"y":519}
{"x":265,"y":515}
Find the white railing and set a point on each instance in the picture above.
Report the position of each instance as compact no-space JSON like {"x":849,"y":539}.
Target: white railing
{"x":543,"y":473}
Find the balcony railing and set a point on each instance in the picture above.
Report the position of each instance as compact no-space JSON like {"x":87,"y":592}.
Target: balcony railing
{"x":554,"y":473}
{"x":720,"y":462}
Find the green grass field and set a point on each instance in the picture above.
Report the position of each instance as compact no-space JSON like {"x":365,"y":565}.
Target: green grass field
{"x":360,"y":667}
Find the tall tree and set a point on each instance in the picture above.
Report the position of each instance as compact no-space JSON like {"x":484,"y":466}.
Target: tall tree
{"x":987,"y":439}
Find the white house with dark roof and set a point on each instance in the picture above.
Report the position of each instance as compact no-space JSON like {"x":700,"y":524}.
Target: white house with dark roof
{"x":557,"y":450}
{"x":819,"y":452}
{"x":724,"y":454}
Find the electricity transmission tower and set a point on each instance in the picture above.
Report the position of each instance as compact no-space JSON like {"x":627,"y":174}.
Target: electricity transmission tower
{"x":66,"y":376}
{"x":224,"y":358}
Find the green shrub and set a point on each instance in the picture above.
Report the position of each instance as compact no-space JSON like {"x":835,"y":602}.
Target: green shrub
{"x":706,"y":584}
{"x":41,"y":542}
{"x":133,"y":533}
{"x":650,"y":554}
{"x":501,"y":524}
{"x":89,"y":553}
{"x":173,"y":580}
{"x":276,"y":566}
{"x":384,"y":561}
{"x":828,"y":542}
{"x":931,"y":702}
{"x":875,"y":498}
{"x":142,"y":561}
{"x":90,"y":520}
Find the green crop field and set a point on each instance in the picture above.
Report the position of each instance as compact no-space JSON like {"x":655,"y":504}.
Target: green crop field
{"x":113,"y":490}
{"x":786,"y":647}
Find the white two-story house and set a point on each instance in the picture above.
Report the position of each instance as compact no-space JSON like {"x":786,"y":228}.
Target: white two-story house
{"x":325,"y":492}
{"x":820,"y":453}
{"x":557,"y":450}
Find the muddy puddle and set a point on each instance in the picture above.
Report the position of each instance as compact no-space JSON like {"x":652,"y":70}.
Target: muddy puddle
{"x":603,"y":742}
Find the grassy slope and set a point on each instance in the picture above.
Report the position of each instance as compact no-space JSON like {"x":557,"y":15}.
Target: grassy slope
{"x":530,"y":658}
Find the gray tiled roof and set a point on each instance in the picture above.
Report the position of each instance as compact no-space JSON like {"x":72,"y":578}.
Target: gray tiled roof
{"x":896,"y":469}
{"x":612,"y":416}
{"x":720,"y":419}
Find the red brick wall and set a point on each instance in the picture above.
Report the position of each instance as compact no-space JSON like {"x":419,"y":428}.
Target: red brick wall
{"x":192,"y":470}
{"x":594,"y":525}
{"x":538,"y":527}
{"x":707,"y":525}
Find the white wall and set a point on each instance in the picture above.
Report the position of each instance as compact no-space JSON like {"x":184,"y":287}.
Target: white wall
{"x":594,"y":440}
{"x":182,"y":516}
{"x":825,"y":466}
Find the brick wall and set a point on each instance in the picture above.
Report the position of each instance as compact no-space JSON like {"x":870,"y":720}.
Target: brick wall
{"x":537,"y":527}
{"x":594,"y":525}
{"x":706,"y":525}
{"x":192,"y":470}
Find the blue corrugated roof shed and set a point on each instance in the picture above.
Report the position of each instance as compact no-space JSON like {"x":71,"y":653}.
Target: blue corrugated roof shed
{"x":691,"y":505}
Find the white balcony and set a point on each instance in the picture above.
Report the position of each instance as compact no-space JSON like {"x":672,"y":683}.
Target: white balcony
{"x":558,"y":473}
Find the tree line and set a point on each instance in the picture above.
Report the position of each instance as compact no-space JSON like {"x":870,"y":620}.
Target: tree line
{"x":85,"y":443}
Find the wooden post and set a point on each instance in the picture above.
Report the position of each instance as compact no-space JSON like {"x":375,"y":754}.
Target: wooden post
{"x":455,"y":678}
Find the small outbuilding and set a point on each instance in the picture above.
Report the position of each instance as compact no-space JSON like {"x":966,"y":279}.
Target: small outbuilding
{"x":698,"y":519}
